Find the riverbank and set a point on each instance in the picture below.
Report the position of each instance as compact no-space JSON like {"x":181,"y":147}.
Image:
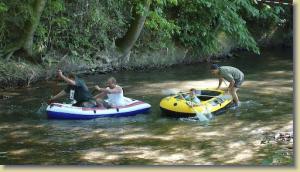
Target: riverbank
{"x":20,"y":73}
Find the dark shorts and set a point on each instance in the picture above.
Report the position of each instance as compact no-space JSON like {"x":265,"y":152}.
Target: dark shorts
{"x":238,"y":82}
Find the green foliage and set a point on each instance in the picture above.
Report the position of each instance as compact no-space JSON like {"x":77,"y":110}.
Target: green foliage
{"x":157,"y":20}
{"x":166,"y":2}
{"x":271,"y":13}
{"x":13,"y":18}
{"x":56,"y":6}
{"x":3,"y":7}
{"x":270,"y":20}
{"x":201,"y":21}
{"x":90,"y":26}
{"x":84,"y":26}
{"x":161,"y":28}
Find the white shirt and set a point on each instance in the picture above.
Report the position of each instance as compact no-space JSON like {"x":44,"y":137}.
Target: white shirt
{"x":116,"y":99}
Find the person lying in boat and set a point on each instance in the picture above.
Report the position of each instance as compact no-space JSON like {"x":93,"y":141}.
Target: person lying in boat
{"x":113,"y":92}
{"x":77,"y":90}
{"x":192,"y":98}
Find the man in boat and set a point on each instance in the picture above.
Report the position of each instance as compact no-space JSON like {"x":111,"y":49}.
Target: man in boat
{"x":231,"y":74}
{"x":113,"y":92}
{"x":77,"y":90}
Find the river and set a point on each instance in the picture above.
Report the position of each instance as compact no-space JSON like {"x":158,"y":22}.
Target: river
{"x":233,"y":138}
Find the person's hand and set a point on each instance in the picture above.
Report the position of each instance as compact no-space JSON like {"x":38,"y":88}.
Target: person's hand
{"x":49,"y":101}
{"x":103,"y":89}
{"x":97,"y":87}
{"x":59,"y":73}
{"x":189,"y":103}
{"x":227,"y":90}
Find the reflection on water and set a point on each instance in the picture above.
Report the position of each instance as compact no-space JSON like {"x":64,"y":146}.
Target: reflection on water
{"x":27,"y":137}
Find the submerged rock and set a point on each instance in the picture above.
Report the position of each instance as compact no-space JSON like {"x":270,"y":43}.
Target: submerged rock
{"x":280,"y":137}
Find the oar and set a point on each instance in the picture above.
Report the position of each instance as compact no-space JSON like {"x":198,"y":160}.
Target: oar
{"x":56,"y":78}
{"x":200,"y":115}
{"x":226,"y":86}
{"x":42,"y":108}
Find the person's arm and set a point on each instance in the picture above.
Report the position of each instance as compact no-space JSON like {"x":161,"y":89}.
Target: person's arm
{"x":181,"y":96}
{"x":97,"y":88}
{"x":57,"y":96}
{"x":66,"y":79}
{"x":231,"y":85}
{"x":230,"y":79}
{"x":220,"y":82}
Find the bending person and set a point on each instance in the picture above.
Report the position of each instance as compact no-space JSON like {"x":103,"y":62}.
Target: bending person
{"x":233,"y":75}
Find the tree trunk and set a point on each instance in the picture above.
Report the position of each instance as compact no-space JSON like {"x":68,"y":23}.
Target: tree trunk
{"x":126,"y":43}
{"x":25,"y":44}
{"x":37,"y":9}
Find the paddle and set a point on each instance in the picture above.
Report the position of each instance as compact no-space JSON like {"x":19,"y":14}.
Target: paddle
{"x":226,"y":86}
{"x":200,"y":115}
{"x":42,"y":109}
{"x":56,"y":78}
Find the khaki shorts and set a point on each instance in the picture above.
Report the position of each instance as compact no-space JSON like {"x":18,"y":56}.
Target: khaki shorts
{"x":238,"y":82}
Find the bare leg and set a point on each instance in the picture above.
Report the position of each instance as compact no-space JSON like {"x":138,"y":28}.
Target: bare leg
{"x":100,"y":99}
{"x":101,"y":95}
{"x":234,"y":95}
{"x":89,"y":104}
{"x":99,"y":103}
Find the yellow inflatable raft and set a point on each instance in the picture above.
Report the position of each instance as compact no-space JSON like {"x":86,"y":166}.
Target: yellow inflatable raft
{"x":212,"y":101}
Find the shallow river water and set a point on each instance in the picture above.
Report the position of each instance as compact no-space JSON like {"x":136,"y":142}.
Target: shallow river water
{"x":233,"y":138}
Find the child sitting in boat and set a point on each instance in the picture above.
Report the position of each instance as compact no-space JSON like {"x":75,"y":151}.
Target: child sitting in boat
{"x":113,"y":92}
{"x":192,"y":98}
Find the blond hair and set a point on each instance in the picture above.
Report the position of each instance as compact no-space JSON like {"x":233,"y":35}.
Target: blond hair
{"x":113,"y":80}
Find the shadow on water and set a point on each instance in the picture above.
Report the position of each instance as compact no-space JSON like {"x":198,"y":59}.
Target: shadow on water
{"x":27,"y":137}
